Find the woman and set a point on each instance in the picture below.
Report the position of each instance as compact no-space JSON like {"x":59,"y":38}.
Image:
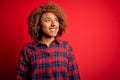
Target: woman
{"x":47,"y":57}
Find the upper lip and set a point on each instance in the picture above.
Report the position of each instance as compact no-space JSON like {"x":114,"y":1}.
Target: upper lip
{"x":53,"y":28}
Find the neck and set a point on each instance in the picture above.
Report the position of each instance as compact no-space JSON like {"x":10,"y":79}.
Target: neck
{"x":47,"y":40}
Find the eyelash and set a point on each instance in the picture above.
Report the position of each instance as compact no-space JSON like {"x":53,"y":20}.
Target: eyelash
{"x":48,"y":20}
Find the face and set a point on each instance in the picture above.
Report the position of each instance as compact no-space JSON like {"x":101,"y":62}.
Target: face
{"x":49,"y":25}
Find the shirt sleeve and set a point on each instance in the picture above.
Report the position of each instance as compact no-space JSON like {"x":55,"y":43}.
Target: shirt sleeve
{"x":72,"y":66}
{"x":23,"y":66}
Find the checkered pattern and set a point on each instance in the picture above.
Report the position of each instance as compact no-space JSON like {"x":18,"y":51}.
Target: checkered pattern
{"x":39,"y":62}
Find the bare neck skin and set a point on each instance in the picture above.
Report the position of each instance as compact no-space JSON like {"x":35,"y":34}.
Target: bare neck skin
{"x":47,"y":40}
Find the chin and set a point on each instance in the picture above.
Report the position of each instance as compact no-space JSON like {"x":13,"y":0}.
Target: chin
{"x":51,"y":35}
{"x":54,"y":35}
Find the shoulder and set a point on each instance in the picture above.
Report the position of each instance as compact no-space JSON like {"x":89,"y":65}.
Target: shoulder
{"x":29,"y":45}
{"x":67,"y":46}
{"x":65,"y":43}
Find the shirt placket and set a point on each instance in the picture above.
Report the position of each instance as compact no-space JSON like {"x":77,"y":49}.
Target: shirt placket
{"x":46,"y":64}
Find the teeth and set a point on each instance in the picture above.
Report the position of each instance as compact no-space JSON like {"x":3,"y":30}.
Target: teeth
{"x":52,"y":29}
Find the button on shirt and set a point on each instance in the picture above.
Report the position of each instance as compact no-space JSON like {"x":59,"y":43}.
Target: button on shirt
{"x":39,"y":62}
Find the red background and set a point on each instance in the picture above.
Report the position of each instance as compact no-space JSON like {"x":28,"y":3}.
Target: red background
{"x":93,"y":31}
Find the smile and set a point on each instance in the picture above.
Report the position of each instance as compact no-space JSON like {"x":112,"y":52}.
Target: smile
{"x":53,"y":29}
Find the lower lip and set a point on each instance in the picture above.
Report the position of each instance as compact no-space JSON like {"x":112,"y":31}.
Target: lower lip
{"x":53,"y":30}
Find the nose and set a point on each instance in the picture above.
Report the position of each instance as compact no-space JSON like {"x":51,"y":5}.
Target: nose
{"x":53,"y":23}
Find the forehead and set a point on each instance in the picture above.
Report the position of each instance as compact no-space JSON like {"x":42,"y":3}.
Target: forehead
{"x":49,"y":15}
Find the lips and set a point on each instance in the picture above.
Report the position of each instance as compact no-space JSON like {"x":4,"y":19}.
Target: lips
{"x":53,"y":29}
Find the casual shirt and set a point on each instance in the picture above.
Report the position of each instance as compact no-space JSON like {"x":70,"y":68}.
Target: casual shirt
{"x":39,"y":62}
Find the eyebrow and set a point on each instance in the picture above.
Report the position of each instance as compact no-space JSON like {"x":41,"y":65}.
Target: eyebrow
{"x":48,"y":18}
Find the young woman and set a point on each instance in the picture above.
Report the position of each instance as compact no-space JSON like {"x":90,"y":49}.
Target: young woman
{"x":47,"y":57}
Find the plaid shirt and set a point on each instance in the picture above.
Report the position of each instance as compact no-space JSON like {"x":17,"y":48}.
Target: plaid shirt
{"x":39,"y":62}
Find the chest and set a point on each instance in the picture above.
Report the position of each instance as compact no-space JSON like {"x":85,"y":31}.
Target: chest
{"x":45,"y":58}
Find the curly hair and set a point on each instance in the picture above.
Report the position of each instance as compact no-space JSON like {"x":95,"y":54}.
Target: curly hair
{"x":35,"y":17}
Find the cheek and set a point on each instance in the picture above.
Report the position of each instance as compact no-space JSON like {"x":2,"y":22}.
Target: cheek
{"x":45,"y":26}
{"x":57,"y":24}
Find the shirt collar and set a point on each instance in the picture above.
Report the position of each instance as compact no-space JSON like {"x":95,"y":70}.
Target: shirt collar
{"x":37,"y":42}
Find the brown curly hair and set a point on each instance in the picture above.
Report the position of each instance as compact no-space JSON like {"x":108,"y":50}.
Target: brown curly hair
{"x":35,"y":17}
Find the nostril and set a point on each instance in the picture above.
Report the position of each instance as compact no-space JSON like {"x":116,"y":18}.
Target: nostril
{"x":52,"y":25}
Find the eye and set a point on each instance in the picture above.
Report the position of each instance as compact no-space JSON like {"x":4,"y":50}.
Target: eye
{"x":56,"y":20}
{"x":47,"y":20}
